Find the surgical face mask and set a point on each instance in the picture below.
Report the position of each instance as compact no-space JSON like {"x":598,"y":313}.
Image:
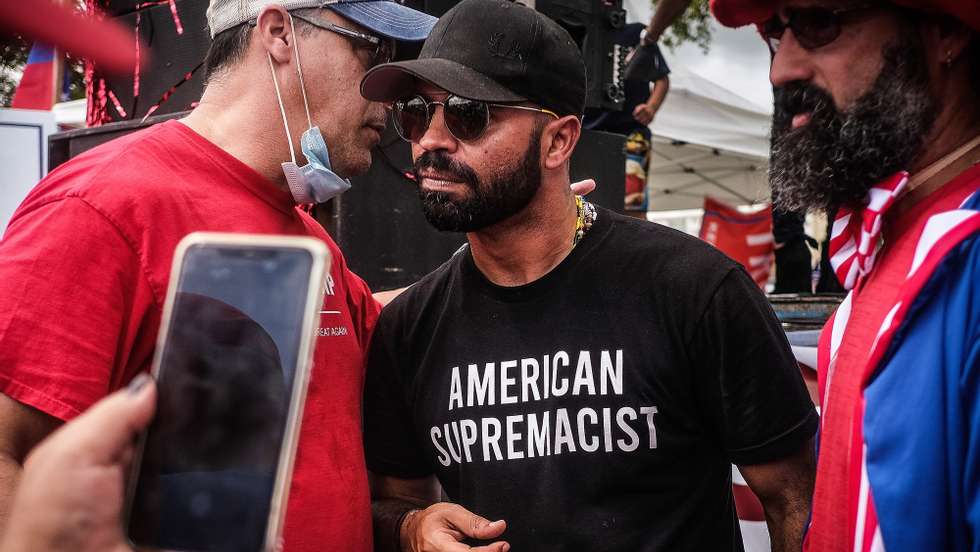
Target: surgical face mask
{"x":314,"y":182}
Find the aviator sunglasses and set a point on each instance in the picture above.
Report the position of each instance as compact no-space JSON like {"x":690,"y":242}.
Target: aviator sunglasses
{"x":382,"y":51}
{"x":466,"y":119}
{"x":812,"y":27}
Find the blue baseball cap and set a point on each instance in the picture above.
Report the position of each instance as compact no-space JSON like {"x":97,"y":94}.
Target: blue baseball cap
{"x":384,"y":17}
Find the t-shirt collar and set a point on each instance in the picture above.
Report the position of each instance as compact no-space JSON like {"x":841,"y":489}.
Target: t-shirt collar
{"x":546,"y":284}
{"x":243,"y":174}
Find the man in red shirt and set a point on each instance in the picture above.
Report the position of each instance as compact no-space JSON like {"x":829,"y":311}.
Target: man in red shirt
{"x":876,"y":113}
{"x":85,"y":261}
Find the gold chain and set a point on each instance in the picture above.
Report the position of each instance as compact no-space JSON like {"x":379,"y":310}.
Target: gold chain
{"x":586,"y":216}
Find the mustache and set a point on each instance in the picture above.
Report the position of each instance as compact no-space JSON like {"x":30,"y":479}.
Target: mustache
{"x":440,"y":161}
{"x":800,"y":97}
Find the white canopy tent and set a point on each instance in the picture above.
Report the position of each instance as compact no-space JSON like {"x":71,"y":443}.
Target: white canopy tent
{"x":70,"y":114}
{"x":707,"y":140}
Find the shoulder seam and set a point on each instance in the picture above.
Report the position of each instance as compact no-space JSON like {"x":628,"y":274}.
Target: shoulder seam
{"x":157,"y":295}
{"x":707,"y":305}
{"x":88,"y":176}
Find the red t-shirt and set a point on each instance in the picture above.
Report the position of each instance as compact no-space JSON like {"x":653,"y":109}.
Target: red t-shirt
{"x":84,"y":266}
{"x":829,"y":529}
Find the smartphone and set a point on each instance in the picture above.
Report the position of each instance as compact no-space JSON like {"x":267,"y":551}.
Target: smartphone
{"x":232,"y":365}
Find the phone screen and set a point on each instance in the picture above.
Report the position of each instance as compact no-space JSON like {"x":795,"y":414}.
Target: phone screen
{"x":225,"y":379}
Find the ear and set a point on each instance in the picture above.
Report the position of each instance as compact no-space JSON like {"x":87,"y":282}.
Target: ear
{"x":558,"y":139}
{"x":275,"y":32}
{"x":945,"y":39}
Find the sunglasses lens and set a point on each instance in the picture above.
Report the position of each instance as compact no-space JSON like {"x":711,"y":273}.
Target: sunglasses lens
{"x":466,"y":119}
{"x":772,"y":32}
{"x":815,"y":27}
{"x":411,"y":118}
{"x":385,"y":52}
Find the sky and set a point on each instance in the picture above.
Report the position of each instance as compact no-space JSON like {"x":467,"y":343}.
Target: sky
{"x":738,"y":59}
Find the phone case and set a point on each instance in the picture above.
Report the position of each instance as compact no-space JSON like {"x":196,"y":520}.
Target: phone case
{"x":313,"y":303}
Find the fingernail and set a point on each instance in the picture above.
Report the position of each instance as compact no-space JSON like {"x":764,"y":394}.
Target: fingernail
{"x":498,"y":522}
{"x":138,"y":383}
{"x":506,"y":547}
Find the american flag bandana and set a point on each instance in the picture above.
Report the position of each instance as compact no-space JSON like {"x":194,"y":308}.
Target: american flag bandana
{"x":856,"y":235}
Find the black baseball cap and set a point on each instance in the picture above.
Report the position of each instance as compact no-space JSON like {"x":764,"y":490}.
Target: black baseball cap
{"x":494,"y":51}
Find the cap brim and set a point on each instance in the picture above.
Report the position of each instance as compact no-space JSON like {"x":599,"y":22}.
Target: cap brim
{"x":391,"y":81}
{"x":387,"y":18}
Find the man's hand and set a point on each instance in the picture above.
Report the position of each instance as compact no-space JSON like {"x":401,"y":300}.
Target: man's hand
{"x":643,"y":114}
{"x":71,"y":492}
{"x":443,"y":526}
{"x":667,"y":12}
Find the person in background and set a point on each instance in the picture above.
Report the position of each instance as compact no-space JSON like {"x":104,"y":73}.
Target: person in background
{"x":794,"y":262}
{"x":645,"y":90}
{"x":876,"y":115}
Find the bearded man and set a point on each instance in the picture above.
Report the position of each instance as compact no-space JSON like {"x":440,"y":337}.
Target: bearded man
{"x":582,"y":377}
{"x":876,"y":113}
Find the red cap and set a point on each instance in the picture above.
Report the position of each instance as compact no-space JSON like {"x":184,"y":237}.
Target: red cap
{"x":104,"y":42}
{"x":735,"y":13}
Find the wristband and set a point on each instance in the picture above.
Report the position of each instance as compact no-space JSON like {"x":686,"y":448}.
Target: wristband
{"x":402,"y":519}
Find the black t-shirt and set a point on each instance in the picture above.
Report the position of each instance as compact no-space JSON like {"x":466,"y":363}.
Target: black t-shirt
{"x":636,"y":90}
{"x":596,"y":408}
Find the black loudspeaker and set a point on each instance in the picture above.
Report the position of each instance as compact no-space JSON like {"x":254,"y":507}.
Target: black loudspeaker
{"x":593,"y":25}
{"x":62,"y":146}
{"x":173,"y":41}
{"x":386,"y":240}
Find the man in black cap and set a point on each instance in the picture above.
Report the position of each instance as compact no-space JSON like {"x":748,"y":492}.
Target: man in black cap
{"x":85,"y":261}
{"x":528,"y":376}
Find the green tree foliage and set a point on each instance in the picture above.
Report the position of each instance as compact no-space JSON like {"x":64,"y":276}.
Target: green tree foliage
{"x":13,"y":56}
{"x":692,"y":26}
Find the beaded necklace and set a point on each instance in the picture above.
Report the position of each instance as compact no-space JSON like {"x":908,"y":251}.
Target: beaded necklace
{"x":586,"y":216}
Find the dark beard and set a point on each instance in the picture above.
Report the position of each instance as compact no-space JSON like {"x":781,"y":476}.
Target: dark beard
{"x":838,"y":156}
{"x":490,"y":201}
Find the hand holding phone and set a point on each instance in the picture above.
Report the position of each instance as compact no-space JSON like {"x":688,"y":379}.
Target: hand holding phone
{"x":232,"y":366}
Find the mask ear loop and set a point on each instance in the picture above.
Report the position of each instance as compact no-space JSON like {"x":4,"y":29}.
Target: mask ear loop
{"x":285,"y":123}
{"x":299,"y":67}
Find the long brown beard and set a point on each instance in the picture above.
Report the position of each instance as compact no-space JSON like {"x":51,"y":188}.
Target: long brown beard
{"x":839,"y":155}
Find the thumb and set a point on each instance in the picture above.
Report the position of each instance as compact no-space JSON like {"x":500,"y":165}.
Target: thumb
{"x":583,"y":187}
{"x":108,"y":427}
{"x":473,"y":525}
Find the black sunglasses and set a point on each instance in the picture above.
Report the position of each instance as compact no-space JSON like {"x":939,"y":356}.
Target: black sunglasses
{"x":812,"y":27}
{"x":466,"y":119}
{"x":382,"y":51}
